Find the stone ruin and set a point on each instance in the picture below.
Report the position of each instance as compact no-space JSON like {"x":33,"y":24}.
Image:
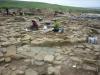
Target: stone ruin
{"x":38,"y":53}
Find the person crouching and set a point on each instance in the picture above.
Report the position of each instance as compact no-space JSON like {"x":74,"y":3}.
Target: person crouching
{"x":34,"y":25}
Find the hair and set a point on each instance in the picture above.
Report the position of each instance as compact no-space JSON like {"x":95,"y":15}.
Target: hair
{"x":33,"y":20}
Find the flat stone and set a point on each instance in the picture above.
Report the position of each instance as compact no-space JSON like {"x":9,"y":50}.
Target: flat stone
{"x":2,"y":59}
{"x":89,"y":46}
{"x":6,"y":65}
{"x":13,"y":73}
{"x":39,"y":57}
{"x":11,"y":51}
{"x":97,"y":48}
{"x":3,"y":50}
{"x":59,"y":57}
{"x":99,"y":73}
{"x":76,"y":59}
{"x":39,"y":63}
{"x":27,"y":48}
{"x":71,"y":54}
{"x":89,"y":61}
{"x":13,"y":68}
{"x":87,"y":67}
{"x":7,"y":59}
{"x":57,"y":70}
{"x":18,"y":40}
{"x":20,"y":72}
{"x":98,"y":62}
{"x":32,"y":61}
{"x":27,"y":60}
{"x":23,"y":67}
{"x":80,"y":46}
{"x":20,"y":19}
{"x":51,"y":70}
{"x":13,"y":40}
{"x":30,"y":72}
{"x":19,"y":56}
{"x":54,"y":70}
{"x":57,"y":62}
{"x":5,"y":44}
{"x":49,"y":58}
{"x":3,"y":39}
{"x":1,"y":54}
{"x":6,"y":71}
{"x":26,"y":37}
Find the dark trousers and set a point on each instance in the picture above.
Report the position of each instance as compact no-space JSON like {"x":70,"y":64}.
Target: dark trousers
{"x":56,"y":30}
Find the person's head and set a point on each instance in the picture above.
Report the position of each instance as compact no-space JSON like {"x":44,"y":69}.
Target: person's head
{"x":33,"y":20}
{"x":92,"y":35}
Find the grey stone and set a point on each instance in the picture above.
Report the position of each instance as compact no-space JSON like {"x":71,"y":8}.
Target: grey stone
{"x":30,"y":72}
{"x":23,"y":67}
{"x":8,"y":59}
{"x":39,"y":63}
{"x":49,"y":58}
{"x":12,"y":40}
{"x":3,"y":50}
{"x":20,"y":19}
{"x":39,"y":56}
{"x":1,"y":54}
{"x":91,"y":68}
{"x":20,"y":72}
{"x":27,"y":61}
{"x":59,"y":57}
{"x":13,"y":73}
{"x":13,"y":68}
{"x":57,"y":62}
{"x":11,"y":51}
{"x":77,"y":59}
{"x":26,"y":37}
{"x":2,"y":59}
{"x":5,"y":44}
{"x":54,"y":70}
{"x":51,"y":70}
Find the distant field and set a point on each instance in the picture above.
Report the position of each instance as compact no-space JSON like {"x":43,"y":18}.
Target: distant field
{"x":23,"y":4}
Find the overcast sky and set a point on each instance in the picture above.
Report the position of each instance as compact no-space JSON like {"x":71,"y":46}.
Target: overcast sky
{"x":78,"y":3}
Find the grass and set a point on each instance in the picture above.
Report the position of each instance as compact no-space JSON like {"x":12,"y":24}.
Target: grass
{"x":23,"y":4}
